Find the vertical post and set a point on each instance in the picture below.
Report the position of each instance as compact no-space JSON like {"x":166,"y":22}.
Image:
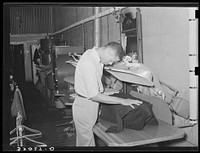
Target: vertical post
{"x":51,"y":19}
{"x":54,"y":68}
{"x":19,"y":128}
{"x":83,"y":31}
{"x":193,"y":62}
{"x":97,"y":28}
{"x":121,"y":39}
{"x":139,"y":35}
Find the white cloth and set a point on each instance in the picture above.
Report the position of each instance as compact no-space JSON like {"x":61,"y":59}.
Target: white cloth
{"x":88,"y":83}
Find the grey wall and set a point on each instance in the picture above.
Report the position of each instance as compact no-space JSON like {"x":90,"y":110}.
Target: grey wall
{"x":166,"y":45}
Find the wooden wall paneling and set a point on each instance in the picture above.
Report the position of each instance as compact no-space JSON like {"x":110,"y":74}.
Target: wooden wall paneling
{"x":20,"y":20}
{"x":104,"y":9}
{"x":12,"y":17}
{"x":51,"y":19}
{"x":64,"y":36}
{"x":69,"y":16}
{"x":78,"y":37}
{"x":73,"y":32}
{"x":67,"y":37}
{"x":54,"y":12}
{"x":17,"y":20}
{"x":41,"y":20}
{"x":37,"y":19}
{"x":104,"y":31}
{"x":63,"y":17}
{"x":114,"y":31}
{"x":15,"y":25}
{"x":25,"y":20}
{"x":84,"y":12}
{"x":45,"y":24}
{"x":46,"y":16}
{"x":29,"y":20}
{"x":89,"y":35}
{"x":34,"y":20}
{"x":73,"y":36}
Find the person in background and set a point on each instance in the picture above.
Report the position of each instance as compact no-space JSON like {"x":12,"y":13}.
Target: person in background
{"x":90,"y":91}
{"x":37,"y":56}
{"x":37,"y":59}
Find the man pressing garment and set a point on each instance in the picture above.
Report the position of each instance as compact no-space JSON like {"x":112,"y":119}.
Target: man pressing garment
{"x":89,"y":89}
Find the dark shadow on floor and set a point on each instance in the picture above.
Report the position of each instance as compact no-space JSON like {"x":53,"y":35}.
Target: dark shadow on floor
{"x":43,"y":118}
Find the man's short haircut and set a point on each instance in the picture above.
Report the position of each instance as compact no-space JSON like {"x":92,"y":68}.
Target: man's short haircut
{"x":119,"y":52}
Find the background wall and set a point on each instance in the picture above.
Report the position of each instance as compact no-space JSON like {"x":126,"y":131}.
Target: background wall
{"x":166,"y":45}
{"x":165,"y":35}
{"x":30,"y":19}
{"x":65,"y":16}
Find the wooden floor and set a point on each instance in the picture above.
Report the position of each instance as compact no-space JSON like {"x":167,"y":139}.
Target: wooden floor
{"x":44,"y":118}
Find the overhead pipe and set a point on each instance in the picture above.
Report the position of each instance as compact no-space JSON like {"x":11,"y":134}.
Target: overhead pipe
{"x":97,"y":28}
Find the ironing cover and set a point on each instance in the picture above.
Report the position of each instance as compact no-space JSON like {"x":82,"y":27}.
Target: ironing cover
{"x":132,"y":73}
{"x":126,"y":116}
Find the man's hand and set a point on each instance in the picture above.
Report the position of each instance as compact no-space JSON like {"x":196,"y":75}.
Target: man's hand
{"x":129,"y":102}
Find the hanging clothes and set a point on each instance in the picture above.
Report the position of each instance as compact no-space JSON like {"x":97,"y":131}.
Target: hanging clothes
{"x":17,"y":104}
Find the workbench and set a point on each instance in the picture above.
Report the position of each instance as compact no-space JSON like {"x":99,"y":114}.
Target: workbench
{"x":128,"y":137}
{"x":165,"y":131}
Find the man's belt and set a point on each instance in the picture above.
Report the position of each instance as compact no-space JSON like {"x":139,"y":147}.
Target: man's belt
{"x":81,"y":95}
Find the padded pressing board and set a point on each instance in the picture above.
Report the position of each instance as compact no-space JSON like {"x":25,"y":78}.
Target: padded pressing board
{"x":134,"y":73}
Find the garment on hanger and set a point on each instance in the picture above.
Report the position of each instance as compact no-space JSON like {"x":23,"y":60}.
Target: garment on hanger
{"x":17,"y":104}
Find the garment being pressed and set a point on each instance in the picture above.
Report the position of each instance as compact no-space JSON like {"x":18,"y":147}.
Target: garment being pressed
{"x":127,"y":117}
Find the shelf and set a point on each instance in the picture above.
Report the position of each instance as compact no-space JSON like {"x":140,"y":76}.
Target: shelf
{"x":131,"y":35}
{"x":129,"y":30}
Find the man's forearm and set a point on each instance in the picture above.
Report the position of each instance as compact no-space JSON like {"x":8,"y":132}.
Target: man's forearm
{"x":106,"y":99}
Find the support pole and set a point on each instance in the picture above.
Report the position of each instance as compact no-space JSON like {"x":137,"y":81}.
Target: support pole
{"x":139,"y":35}
{"x":97,"y":28}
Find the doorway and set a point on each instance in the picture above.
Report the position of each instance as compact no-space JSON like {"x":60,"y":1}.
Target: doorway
{"x":33,"y":67}
{"x":17,"y":63}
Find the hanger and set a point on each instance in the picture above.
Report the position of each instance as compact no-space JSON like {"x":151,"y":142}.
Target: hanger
{"x":20,"y":128}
